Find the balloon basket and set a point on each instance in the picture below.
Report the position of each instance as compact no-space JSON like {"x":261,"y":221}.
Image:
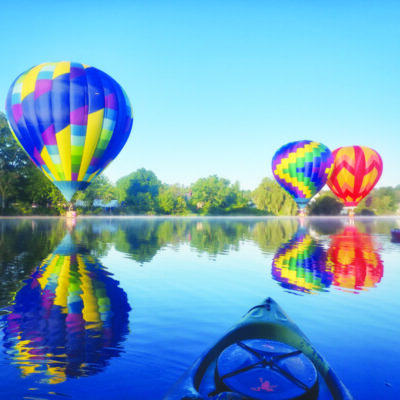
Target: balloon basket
{"x":302,"y":212}
{"x":71,"y":214}
{"x":350,"y":212}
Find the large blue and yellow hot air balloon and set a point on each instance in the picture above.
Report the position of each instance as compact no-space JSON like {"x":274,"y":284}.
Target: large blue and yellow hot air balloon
{"x":71,"y":119}
{"x":302,"y":169}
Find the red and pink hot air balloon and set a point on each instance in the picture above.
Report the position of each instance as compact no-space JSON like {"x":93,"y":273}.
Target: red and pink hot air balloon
{"x":356,"y":170}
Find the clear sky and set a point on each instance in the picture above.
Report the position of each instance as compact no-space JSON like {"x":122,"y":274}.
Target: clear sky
{"x":218,"y":86}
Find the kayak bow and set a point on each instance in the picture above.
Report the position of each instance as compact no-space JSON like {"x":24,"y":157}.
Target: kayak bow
{"x":264,"y":357}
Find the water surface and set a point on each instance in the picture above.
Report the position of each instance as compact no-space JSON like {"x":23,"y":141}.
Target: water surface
{"x":119,"y":308}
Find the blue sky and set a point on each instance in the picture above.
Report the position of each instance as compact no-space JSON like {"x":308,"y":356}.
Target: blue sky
{"x":218,"y":86}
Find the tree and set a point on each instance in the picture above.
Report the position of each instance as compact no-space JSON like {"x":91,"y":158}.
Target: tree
{"x":13,"y":163}
{"x":12,"y":156}
{"x":382,"y":201}
{"x":101,"y":188}
{"x":325,"y":204}
{"x":171,"y":200}
{"x":242,"y":199}
{"x":140,"y":191}
{"x":214,"y":195}
{"x":7,"y":189}
{"x":271,"y":197}
{"x":39,"y":190}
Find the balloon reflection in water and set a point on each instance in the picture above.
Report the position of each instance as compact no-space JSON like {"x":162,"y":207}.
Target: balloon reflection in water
{"x":300,"y":264}
{"x":68,"y":319}
{"x":355,"y":260}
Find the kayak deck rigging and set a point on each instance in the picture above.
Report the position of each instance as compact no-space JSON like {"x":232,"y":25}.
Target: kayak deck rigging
{"x":267,"y":323}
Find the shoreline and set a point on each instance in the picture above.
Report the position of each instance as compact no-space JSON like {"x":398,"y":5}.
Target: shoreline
{"x":345,"y":217}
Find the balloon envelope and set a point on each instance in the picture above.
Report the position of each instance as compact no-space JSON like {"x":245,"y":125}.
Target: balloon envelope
{"x":302,"y":169}
{"x":71,"y":119}
{"x":356,"y":170}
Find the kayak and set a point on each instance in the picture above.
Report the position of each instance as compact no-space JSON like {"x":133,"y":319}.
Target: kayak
{"x":264,"y":357}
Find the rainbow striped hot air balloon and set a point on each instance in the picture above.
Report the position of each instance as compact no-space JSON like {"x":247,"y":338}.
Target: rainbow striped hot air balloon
{"x":302,"y":169}
{"x":71,"y":119}
{"x":356,"y":170}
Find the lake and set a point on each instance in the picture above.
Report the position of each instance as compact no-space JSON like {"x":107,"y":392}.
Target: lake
{"x":118,"y":308}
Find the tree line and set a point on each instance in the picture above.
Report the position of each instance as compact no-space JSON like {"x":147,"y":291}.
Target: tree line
{"x":24,"y":190}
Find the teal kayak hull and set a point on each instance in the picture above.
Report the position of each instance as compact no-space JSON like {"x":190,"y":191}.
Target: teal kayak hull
{"x":266,"y":321}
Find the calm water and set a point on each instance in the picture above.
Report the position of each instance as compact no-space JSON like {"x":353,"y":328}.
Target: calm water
{"x":119,"y":308}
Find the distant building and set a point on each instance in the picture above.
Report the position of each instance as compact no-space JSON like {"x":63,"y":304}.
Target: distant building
{"x":81,"y":203}
{"x":98,"y":203}
{"x":110,"y":204}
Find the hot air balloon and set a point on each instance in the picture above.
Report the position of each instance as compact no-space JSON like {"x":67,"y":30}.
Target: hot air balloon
{"x":302,"y":169}
{"x":69,"y":319}
{"x":71,"y":119}
{"x":300,"y":264}
{"x":355,"y":260}
{"x":356,"y":170}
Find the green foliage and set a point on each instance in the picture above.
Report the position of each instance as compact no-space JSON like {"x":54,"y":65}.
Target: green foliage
{"x":22,"y":184}
{"x":271,"y":197}
{"x":8,"y":188}
{"x":40,"y":190}
{"x":325,"y":204}
{"x":139,"y":191}
{"x":381,"y":201}
{"x":172,"y":200}
{"x":384,"y":201}
{"x":214,"y":195}
{"x":101,"y":188}
{"x":12,"y":157}
{"x":22,"y":208}
{"x":122,"y":187}
{"x":13,"y":163}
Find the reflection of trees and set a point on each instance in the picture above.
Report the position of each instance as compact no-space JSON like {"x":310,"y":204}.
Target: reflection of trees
{"x":355,"y":260}
{"x":326,"y":226}
{"x":68,"y":319}
{"x":173,"y":233}
{"x":95,"y":235}
{"x":376,"y":225}
{"x":300,"y":264}
{"x":23,"y":244}
{"x":269,"y":234}
{"x":141,"y":239}
{"x":217,"y":237}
